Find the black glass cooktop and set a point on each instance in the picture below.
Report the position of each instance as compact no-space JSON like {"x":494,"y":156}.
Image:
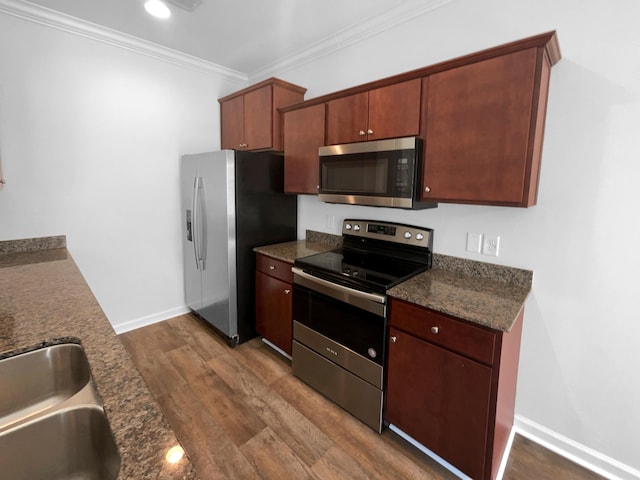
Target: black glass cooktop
{"x":360,"y":270}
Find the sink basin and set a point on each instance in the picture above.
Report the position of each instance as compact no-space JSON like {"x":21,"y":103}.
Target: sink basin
{"x":52,"y":424}
{"x":38,"y":380}
{"x":71,"y":444}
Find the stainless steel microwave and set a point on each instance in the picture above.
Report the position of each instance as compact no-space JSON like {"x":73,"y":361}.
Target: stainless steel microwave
{"x":380,"y":173}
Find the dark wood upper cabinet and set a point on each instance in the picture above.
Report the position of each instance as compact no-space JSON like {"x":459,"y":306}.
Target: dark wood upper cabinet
{"x":386,"y":112}
{"x":249,"y":118}
{"x":480,"y":116}
{"x":483,"y":125}
{"x":303,"y":135}
{"x":394,"y":111}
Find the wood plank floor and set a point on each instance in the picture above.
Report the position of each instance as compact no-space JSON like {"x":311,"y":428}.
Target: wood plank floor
{"x":240,"y":414}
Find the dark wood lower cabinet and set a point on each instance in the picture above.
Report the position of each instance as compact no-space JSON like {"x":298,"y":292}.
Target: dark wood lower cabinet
{"x":441,"y":399}
{"x":451,"y":386}
{"x":273,"y":301}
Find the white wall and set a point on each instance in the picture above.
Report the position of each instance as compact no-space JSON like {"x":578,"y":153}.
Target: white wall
{"x":578,"y":371}
{"x":90,"y":139}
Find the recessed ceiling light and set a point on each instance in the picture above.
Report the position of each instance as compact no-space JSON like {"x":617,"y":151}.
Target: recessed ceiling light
{"x":157,"y":9}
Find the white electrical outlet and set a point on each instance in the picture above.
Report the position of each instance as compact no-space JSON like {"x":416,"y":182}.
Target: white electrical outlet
{"x":331,"y":223}
{"x":474,"y":242}
{"x":491,"y":245}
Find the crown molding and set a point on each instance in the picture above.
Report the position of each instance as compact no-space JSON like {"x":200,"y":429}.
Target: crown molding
{"x":50,"y":18}
{"x":399,"y":12}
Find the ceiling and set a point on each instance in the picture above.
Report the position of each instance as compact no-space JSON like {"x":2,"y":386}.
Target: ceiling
{"x":247,"y":36}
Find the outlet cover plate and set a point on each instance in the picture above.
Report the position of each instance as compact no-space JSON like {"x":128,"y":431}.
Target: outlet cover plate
{"x":474,"y":242}
{"x":491,"y":245}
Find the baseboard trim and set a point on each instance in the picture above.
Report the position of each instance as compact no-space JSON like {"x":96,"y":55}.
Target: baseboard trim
{"x":150,"y":319}
{"x":429,"y":453}
{"x":574,"y":451}
{"x":276,"y":348}
{"x":505,"y":454}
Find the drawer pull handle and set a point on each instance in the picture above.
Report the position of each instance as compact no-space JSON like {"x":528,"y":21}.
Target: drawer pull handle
{"x":287,"y":291}
{"x":272,"y":267}
{"x":435,"y":330}
{"x":394,"y":339}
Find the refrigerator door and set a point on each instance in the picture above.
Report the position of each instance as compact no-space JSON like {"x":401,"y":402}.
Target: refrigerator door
{"x":192,"y":275}
{"x":218,"y":252}
{"x":209,"y":242}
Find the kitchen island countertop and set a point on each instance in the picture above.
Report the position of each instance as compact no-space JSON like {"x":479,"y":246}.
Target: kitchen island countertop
{"x":43,"y":297}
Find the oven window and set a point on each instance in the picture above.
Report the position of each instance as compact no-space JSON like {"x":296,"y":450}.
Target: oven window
{"x":356,"y":175}
{"x":350,"y":326}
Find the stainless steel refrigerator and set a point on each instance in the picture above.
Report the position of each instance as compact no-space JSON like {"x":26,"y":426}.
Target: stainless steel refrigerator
{"x":231,"y":202}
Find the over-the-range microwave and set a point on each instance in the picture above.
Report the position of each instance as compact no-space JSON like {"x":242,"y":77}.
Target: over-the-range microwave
{"x":380,"y":173}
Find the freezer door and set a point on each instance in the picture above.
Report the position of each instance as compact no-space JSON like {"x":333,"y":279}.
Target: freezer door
{"x":218,"y":251}
{"x":192,"y":274}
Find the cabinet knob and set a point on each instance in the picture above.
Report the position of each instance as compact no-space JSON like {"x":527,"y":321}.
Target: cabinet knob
{"x":272,"y":267}
{"x":394,"y":339}
{"x":435,"y":329}
{"x":370,"y":132}
{"x":243,"y":145}
{"x":427,"y":189}
{"x":287,"y":291}
{"x":362,"y":133}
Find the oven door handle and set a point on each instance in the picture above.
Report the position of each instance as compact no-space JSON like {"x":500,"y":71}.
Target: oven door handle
{"x":372,"y":302}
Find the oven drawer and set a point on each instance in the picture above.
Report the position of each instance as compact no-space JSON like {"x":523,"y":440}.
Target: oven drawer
{"x":361,"y":399}
{"x":343,"y":356}
{"x":276,"y":268}
{"x":474,"y":342}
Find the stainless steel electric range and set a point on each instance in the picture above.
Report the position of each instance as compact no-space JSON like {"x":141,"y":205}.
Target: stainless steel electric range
{"x":340,"y":311}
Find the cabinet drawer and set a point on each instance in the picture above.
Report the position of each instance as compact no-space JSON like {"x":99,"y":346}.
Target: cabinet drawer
{"x":276,"y":268}
{"x":473,"y":342}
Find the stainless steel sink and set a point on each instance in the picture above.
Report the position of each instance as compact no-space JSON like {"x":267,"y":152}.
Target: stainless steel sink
{"x":38,"y":380}
{"x":52,"y":424}
{"x":71,"y":444}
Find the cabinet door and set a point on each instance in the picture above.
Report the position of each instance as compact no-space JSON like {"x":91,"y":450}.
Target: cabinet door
{"x":273,"y":311}
{"x":257,"y":119}
{"x":477,"y":120}
{"x":303,"y":135}
{"x":441,"y":399}
{"x":232,"y":123}
{"x":347,"y":119}
{"x":394,"y":111}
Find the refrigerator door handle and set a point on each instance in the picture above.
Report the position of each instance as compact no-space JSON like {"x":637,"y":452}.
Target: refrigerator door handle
{"x":195,"y":220}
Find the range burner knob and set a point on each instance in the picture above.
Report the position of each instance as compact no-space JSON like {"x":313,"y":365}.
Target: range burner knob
{"x":356,"y":273}
{"x":407,"y":235}
{"x":347,"y":226}
{"x":356,"y":228}
{"x":419,"y":236}
{"x":347,"y":271}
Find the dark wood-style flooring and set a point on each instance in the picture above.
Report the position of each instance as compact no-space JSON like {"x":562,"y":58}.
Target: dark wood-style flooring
{"x":240,"y":414}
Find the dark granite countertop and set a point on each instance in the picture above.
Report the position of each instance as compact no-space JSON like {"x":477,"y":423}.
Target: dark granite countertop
{"x":289,"y":251}
{"x":43,"y":297}
{"x":315,"y":242}
{"x":482,"y":293}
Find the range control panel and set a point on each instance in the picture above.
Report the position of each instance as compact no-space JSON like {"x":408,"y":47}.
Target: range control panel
{"x":390,"y":232}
